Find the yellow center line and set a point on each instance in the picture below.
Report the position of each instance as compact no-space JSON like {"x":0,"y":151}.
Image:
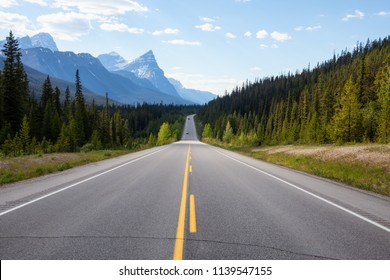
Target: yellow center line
{"x":192,"y":214}
{"x":179,"y":242}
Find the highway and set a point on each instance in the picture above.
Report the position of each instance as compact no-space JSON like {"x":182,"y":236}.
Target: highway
{"x":189,"y":200}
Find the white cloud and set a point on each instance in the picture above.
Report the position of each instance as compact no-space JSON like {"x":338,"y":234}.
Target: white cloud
{"x":280,"y":37}
{"x":273,"y":46}
{"x":8,"y":3}
{"x":38,"y":2}
{"x":207,"y":19}
{"x":248,"y":34}
{"x":106,"y":7}
{"x":180,"y":42}
{"x":383,"y":14}
{"x":256,"y":69}
{"x":308,"y":28}
{"x":312,"y":28}
{"x":230,"y":35}
{"x":243,"y":1}
{"x":19,"y":24}
{"x":358,"y":15}
{"x":166,"y":31}
{"x":65,"y":26}
{"x":208,"y":27}
{"x":120,"y":27}
{"x":261,"y":34}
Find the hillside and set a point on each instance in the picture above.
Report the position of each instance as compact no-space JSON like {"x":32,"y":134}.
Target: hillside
{"x":345,"y":99}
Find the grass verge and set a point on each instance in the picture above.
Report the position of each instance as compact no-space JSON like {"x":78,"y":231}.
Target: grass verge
{"x":26,"y":167}
{"x":365,"y":167}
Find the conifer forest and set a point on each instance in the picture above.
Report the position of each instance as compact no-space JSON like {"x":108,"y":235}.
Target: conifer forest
{"x":343,"y":100}
{"x":55,"y":121}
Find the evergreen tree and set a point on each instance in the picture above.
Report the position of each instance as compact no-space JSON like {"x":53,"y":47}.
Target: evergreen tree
{"x":228,"y":133}
{"x":207,"y":131}
{"x":14,"y":86}
{"x":80,"y":115}
{"x":383,"y":82}
{"x":347,"y":118}
{"x":25,"y":135}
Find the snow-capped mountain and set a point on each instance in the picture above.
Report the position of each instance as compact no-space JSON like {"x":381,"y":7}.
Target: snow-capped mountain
{"x":113,"y":61}
{"x":94,"y":76}
{"x":146,"y":67}
{"x":145,"y":72}
{"x":141,"y":80}
{"x":43,"y":40}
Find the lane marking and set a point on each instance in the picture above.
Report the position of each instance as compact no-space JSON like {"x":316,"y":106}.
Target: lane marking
{"x":192,"y":214}
{"x":309,"y":193}
{"x":80,"y":182}
{"x":179,"y":242}
{"x":190,"y":168}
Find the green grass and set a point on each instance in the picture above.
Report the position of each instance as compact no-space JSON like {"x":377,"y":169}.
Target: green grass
{"x":360,"y":175}
{"x":350,"y":170}
{"x":26,"y":167}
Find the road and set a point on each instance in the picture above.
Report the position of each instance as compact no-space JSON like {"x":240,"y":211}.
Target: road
{"x":189,"y":200}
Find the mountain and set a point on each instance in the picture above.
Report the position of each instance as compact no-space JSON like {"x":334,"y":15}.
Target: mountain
{"x":112,"y":61}
{"x":197,"y":96}
{"x":94,"y":76}
{"x":36,"y":80}
{"x":147,"y":73}
{"x":145,"y":68}
{"x":43,"y":40}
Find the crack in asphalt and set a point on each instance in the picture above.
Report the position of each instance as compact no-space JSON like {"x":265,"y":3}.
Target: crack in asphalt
{"x":172,"y":239}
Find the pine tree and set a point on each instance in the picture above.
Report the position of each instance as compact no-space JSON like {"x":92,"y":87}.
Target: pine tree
{"x":383,"y":82}
{"x":207,"y":131}
{"x":14,"y":86}
{"x":228,"y":133}
{"x":105,"y":129}
{"x":25,"y":135}
{"x":80,"y":115}
{"x":347,"y":117}
{"x":66,"y":110}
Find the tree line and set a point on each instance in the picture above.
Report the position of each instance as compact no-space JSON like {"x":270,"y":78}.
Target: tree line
{"x":345,"y":99}
{"x":51,"y":122}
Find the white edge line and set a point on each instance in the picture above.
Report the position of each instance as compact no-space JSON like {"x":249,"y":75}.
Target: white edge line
{"x":78,"y":183}
{"x":310,"y":193}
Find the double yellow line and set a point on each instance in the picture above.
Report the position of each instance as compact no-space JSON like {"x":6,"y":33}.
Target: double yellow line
{"x":179,"y":242}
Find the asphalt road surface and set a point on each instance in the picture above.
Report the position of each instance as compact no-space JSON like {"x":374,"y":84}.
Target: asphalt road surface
{"x":189,"y":200}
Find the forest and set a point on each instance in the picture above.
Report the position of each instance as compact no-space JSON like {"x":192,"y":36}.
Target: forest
{"x":343,"y":100}
{"x":33,"y":123}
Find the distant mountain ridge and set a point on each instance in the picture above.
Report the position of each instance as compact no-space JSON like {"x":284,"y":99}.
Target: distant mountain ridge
{"x":94,"y":75}
{"x":198,"y":96}
{"x":147,"y":73}
{"x":144,"y":67}
{"x":43,"y":40}
{"x":139,"y":81}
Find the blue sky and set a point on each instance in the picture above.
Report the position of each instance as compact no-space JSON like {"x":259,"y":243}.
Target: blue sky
{"x":206,"y":44}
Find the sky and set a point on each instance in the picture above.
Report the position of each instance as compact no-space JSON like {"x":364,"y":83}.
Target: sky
{"x":212,"y":45}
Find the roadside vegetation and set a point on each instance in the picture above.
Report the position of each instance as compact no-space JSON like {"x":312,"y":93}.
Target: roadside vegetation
{"x":364,"y":166}
{"x":51,"y":131}
{"x":332,"y":120}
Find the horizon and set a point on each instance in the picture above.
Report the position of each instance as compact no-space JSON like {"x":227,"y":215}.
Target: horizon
{"x":206,"y":46}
